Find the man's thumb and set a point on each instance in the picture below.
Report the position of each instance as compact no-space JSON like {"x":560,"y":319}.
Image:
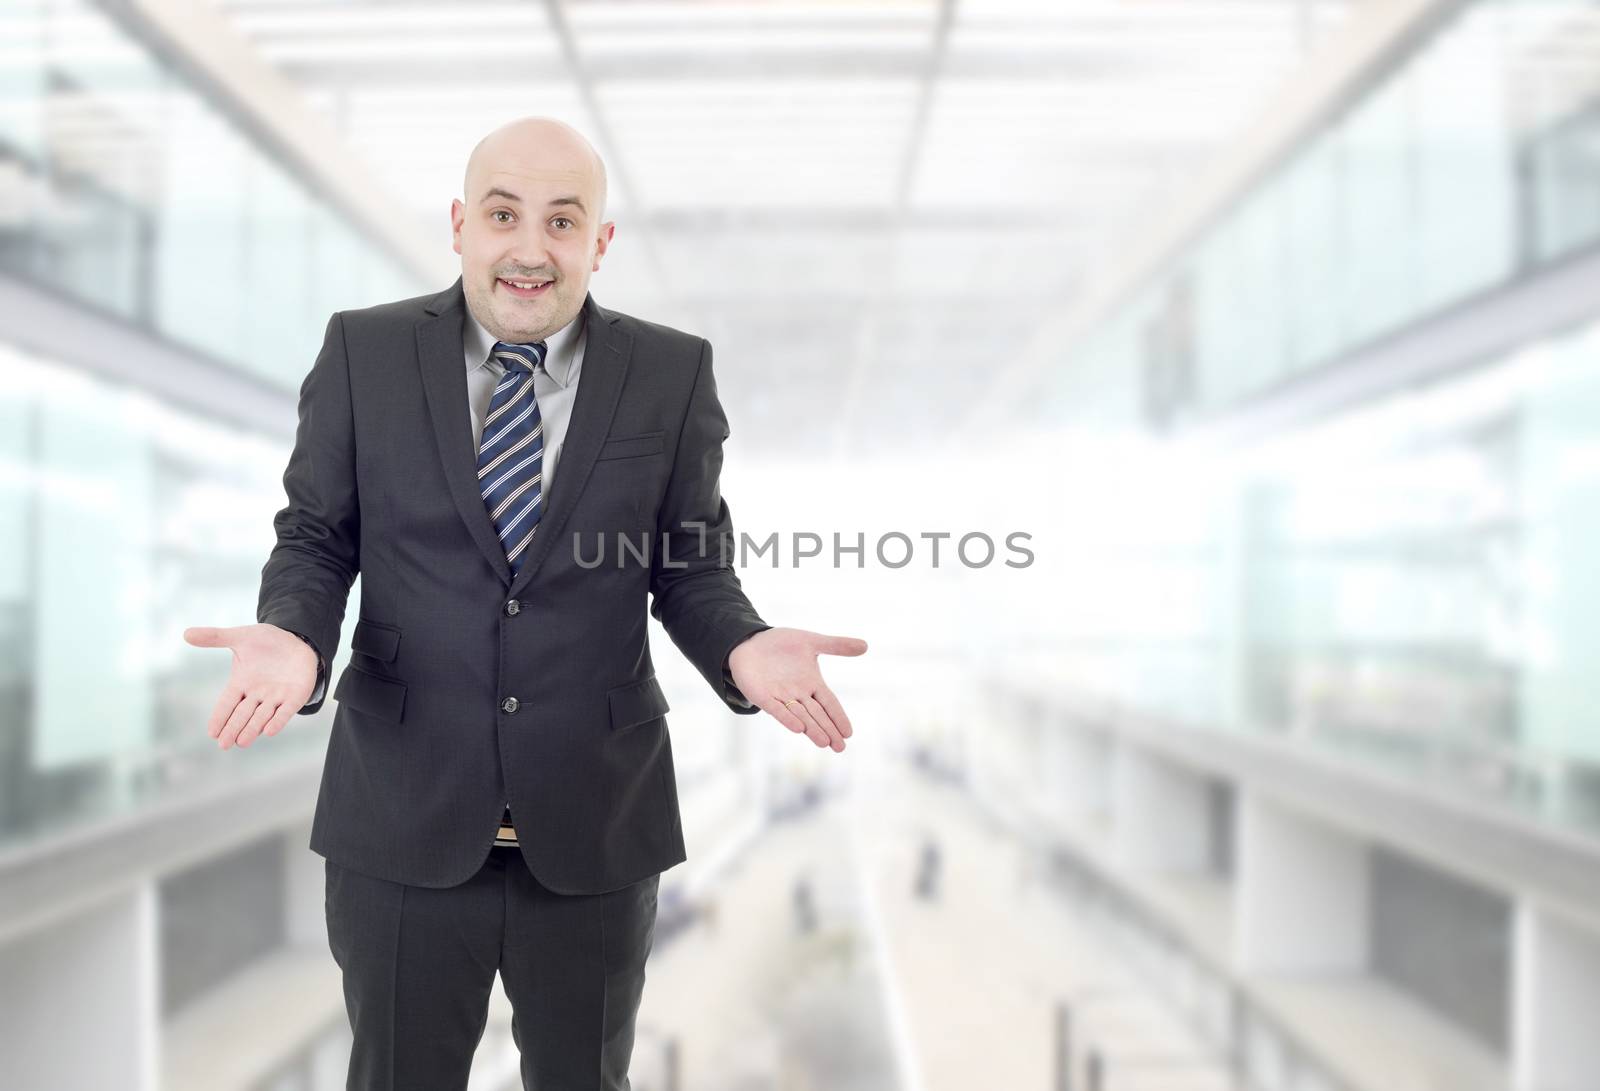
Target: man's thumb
{"x":208,"y":636}
{"x":841,"y":645}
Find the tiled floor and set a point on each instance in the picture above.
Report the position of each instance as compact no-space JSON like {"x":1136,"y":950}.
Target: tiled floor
{"x":891,"y":991}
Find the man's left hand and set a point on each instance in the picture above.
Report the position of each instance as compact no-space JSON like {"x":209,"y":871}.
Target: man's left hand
{"x":776,"y":670}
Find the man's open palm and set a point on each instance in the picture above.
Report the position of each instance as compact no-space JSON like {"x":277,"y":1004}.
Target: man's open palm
{"x":776,"y":669}
{"x":273,"y":675}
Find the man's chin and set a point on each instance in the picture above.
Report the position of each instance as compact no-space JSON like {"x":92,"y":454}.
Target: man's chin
{"x":524,"y":322}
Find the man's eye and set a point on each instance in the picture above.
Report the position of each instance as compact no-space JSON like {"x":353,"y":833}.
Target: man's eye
{"x":561,"y":219}
{"x":500,"y":212}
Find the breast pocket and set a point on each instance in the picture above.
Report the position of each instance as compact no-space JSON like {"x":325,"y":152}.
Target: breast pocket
{"x":645,"y":443}
{"x":629,"y":474}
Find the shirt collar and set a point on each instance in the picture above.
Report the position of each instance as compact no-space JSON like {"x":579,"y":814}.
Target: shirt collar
{"x":561,"y":347}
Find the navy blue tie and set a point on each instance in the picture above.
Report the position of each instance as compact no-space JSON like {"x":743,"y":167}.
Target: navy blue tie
{"x":511,"y":451}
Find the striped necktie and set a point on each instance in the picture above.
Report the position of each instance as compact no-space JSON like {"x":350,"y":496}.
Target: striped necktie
{"x":511,"y":451}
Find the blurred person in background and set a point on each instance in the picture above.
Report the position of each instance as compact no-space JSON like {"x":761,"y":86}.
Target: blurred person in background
{"x":497,"y":671}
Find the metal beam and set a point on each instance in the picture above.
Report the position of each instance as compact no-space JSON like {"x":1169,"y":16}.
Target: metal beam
{"x":864,"y":348}
{"x":1485,"y":327}
{"x":229,"y":73}
{"x":65,"y":330}
{"x":876,"y":65}
{"x":616,"y":166}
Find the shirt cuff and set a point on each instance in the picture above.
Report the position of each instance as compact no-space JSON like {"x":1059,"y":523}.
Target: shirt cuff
{"x":322,"y":673}
{"x":730,"y":691}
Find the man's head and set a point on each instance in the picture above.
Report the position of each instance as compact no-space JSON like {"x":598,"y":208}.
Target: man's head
{"x":533,"y":210}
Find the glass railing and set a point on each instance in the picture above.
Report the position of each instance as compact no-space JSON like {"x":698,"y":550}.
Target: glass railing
{"x":1470,"y":164}
{"x":127,"y":521}
{"x":1410,"y":586}
{"x":126,"y":190}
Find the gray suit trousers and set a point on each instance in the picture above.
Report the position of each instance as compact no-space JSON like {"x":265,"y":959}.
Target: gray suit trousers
{"x":419,"y":964}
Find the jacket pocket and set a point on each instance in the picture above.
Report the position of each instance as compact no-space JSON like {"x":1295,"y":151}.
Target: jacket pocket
{"x":376,"y":639}
{"x":646,"y":443}
{"x":371,"y":693}
{"x":636,"y":703}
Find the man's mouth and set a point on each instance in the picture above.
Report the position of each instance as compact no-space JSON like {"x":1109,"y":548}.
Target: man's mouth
{"x":524,"y":289}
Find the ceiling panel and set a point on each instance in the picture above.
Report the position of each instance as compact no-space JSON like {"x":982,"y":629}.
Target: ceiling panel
{"x":864,"y":204}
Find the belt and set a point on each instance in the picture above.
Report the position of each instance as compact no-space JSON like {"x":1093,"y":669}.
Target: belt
{"x":507,"y":834}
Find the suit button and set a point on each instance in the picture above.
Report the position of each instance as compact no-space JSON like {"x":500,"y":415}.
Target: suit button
{"x":508,"y":705}
{"x":512,"y":608}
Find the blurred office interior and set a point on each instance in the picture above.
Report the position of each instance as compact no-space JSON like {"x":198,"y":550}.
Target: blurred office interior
{"x":1273,"y":327}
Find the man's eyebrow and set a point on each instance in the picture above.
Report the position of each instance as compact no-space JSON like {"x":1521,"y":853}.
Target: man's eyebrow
{"x":496,"y":191}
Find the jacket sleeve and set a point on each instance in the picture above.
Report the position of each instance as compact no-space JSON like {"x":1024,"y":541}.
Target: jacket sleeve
{"x":695,"y":591}
{"x":319,"y":690}
{"x":306,"y":581}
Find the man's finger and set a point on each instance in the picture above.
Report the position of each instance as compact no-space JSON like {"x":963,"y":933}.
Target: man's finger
{"x":840,"y":645}
{"x":814,"y":731}
{"x":219,"y":712}
{"x":281,"y":719}
{"x":827,"y":700}
{"x":241,"y":716}
{"x":209,"y":636}
{"x":777,"y":711}
{"x":824,"y":721}
{"x":265,"y":711}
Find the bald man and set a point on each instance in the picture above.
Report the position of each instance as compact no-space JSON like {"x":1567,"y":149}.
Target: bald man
{"x":498,"y":794}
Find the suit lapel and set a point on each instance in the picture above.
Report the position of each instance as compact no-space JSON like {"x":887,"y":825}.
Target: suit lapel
{"x":606,"y":353}
{"x":444,"y":380}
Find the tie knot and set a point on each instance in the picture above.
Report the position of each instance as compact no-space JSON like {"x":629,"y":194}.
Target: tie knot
{"x":519,"y":356}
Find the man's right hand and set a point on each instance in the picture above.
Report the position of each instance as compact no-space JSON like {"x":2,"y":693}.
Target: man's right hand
{"x":274,"y":673}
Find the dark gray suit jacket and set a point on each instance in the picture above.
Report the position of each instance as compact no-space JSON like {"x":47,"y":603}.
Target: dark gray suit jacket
{"x":467,"y":689}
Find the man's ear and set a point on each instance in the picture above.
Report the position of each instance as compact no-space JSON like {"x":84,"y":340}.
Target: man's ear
{"x":602,"y":241}
{"x":458,"y":215}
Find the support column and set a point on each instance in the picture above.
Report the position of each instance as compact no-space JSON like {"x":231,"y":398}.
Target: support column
{"x":82,"y":999}
{"x":1302,"y":895}
{"x":1160,"y":814}
{"x":305,"y":923}
{"x":1557,"y":993}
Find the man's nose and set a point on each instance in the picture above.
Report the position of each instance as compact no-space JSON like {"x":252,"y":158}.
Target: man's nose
{"x":530,"y":251}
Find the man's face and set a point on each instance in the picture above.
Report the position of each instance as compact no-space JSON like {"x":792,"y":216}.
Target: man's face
{"x":524,"y":222}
